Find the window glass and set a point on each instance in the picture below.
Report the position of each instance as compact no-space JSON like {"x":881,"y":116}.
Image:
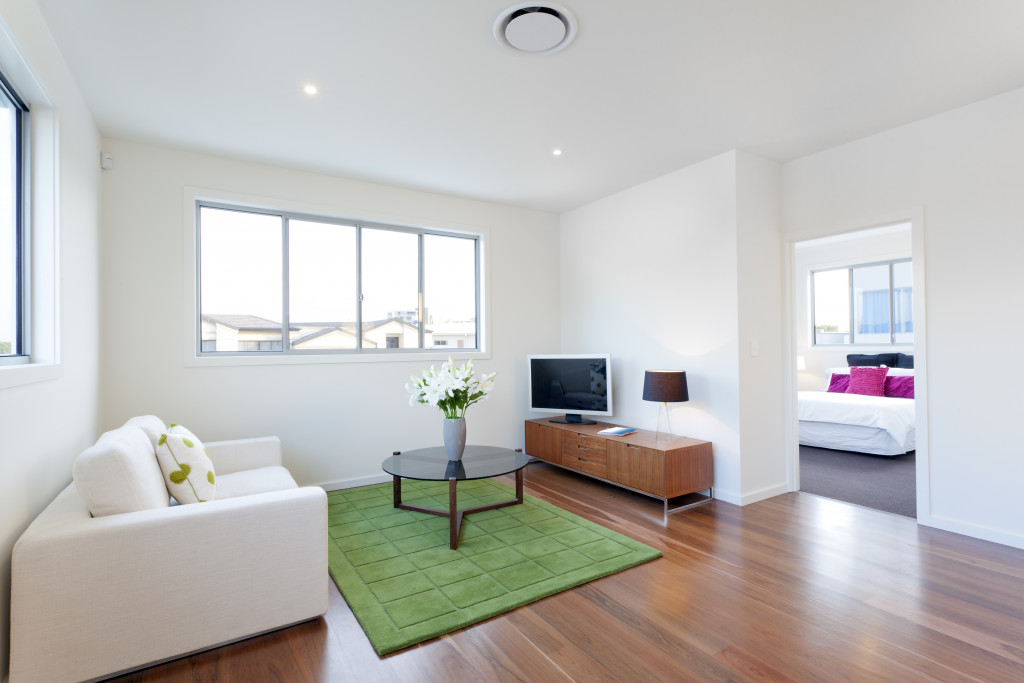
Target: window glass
{"x":322,"y":285}
{"x":390,"y":270}
{"x":871,"y":304}
{"x":240,"y":279}
{"x":903,"y":301}
{"x":347,"y":287}
{"x":832,"y":307}
{"x":881,"y":295}
{"x":449,"y":290}
{"x":11,"y":270}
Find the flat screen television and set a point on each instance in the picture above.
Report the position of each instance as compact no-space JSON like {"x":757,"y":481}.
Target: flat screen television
{"x":573,"y":384}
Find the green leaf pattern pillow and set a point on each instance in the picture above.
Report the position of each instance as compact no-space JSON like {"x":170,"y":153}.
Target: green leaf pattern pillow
{"x":186,"y":466}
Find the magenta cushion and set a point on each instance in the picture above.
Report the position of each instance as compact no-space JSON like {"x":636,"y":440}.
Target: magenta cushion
{"x":900,"y":387}
{"x":839,"y":383}
{"x":867,"y":381}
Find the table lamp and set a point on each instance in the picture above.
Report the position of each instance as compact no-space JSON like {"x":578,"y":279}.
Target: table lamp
{"x":666,"y":386}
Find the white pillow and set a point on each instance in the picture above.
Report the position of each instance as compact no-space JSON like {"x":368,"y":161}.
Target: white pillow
{"x":152,"y":425}
{"x":118,"y":474}
{"x":187,"y":468}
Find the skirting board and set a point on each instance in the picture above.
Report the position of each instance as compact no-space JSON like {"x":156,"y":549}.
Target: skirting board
{"x":747,"y":499}
{"x":1014,"y":540}
{"x":764,"y":494}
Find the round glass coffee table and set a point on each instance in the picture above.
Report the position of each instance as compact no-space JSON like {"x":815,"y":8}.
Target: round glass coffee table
{"x":432,"y":464}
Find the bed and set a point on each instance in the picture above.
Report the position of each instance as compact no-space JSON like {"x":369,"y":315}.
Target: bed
{"x":879,"y":425}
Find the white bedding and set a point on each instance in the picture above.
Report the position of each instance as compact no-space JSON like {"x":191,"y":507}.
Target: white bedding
{"x":853,"y":438}
{"x":893,"y":415}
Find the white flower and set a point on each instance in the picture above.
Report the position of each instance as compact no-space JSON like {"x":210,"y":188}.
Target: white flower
{"x":452,"y":388}
{"x":432,"y":394}
{"x":487,"y":383}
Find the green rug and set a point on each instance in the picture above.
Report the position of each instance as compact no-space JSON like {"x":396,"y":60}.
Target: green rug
{"x":405,"y":585}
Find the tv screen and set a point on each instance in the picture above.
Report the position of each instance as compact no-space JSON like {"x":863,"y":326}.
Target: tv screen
{"x":573,"y":384}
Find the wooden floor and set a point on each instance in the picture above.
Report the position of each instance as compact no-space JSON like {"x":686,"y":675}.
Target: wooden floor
{"x":795,"y":588}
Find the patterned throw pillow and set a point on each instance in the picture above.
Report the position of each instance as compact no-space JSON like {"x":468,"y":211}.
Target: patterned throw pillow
{"x":188,"y":470}
{"x":839,"y":383}
{"x":899,"y":387}
{"x":867,"y":381}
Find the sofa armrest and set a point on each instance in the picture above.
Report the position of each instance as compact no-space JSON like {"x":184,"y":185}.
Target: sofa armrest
{"x":244,"y":454}
{"x":95,"y":596}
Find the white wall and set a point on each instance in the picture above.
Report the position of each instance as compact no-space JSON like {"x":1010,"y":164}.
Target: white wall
{"x":965,"y":168}
{"x":337,"y":421}
{"x":45,"y":425}
{"x":759,"y":313}
{"x":651,"y":276}
{"x":844,"y":250}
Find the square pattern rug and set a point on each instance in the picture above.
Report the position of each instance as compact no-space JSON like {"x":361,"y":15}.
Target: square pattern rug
{"x":405,"y":585}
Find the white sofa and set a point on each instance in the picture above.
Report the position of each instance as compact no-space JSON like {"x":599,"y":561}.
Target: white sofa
{"x":112,"y":577}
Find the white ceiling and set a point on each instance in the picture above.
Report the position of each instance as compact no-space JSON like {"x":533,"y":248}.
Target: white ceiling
{"x":419,"y":94}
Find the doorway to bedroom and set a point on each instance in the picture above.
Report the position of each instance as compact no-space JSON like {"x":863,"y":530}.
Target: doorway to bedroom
{"x":854,"y":339}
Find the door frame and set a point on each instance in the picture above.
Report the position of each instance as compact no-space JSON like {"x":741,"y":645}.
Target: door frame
{"x":915,"y":216}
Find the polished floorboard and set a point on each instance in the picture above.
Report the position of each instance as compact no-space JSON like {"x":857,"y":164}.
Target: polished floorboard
{"x":794,"y":588}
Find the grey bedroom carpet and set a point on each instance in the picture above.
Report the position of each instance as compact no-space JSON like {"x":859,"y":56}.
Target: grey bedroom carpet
{"x":874,"y":481}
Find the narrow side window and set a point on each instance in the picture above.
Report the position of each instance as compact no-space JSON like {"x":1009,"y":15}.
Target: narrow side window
{"x":14,"y":243}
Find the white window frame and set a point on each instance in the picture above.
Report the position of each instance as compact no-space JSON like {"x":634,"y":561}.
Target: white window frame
{"x":193,"y":355}
{"x":890,"y":263}
{"x":21,"y":351}
{"x":41,"y":221}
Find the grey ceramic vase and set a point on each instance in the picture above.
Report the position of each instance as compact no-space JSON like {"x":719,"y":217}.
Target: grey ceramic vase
{"x":455,"y":437}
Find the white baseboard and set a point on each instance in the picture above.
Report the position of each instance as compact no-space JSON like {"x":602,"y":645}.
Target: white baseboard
{"x":765,"y":494}
{"x":748,"y":498}
{"x":353,"y":483}
{"x":1014,"y":540}
{"x":727,"y":496}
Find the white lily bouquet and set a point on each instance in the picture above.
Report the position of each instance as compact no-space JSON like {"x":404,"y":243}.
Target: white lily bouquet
{"x":452,"y":389}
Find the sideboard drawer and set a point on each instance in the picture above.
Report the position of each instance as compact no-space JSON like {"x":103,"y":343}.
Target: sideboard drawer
{"x":585,"y":453}
{"x":585,"y":460}
{"x":578,"y":439}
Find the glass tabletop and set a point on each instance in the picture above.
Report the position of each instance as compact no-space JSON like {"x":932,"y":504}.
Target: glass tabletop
{"x":432,"y":464}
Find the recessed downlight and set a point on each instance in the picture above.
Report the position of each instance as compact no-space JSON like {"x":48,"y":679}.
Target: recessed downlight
{"x":530,"y":28}
{"x":556,"y":152}
{"x":310,"y":89}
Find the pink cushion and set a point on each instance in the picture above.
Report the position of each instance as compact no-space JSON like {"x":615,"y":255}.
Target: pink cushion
{"x":839,"y":383}
{"x":900,"y":387}
{"x":867,"y":381}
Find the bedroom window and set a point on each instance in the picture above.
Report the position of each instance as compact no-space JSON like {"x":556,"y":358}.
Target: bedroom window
{"x":869,"y":303}
{"x":277,"y":283}
{"x":14,"y":281}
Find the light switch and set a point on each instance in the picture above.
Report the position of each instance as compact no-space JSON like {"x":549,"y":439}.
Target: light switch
{"x":754,"y":350}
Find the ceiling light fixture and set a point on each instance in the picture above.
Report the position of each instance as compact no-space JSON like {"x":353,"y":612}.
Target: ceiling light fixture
{"x":534,"y":29}
{"x":310,"y":89}
{"x":557,"y":152}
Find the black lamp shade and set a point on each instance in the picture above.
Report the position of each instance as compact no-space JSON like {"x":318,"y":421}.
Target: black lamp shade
{"x":665,"y":386}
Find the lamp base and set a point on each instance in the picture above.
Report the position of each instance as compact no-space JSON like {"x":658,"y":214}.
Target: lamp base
{"x":668,"y":422}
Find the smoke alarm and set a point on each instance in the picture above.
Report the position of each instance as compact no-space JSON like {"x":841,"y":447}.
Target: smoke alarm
{"x":534,"y":29}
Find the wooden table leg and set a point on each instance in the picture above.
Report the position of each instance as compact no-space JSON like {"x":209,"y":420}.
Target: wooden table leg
{"x":397,"y":487}
{"x":453,"y":515}
{"x":519,"y":484}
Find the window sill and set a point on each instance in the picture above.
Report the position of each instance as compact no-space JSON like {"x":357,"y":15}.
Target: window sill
{"x":270,"y":358}
{"x":19,"y":375}
{"x":904,"y":345}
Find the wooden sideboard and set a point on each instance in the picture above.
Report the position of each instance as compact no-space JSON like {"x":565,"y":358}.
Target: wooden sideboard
{"x":663,"y":467}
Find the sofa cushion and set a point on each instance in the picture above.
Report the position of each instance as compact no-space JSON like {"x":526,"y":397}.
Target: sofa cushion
{"x":260,"y":480}
{"x":119,"y":474}
{"x":152,"y":425}
{"x":186,"y":466}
